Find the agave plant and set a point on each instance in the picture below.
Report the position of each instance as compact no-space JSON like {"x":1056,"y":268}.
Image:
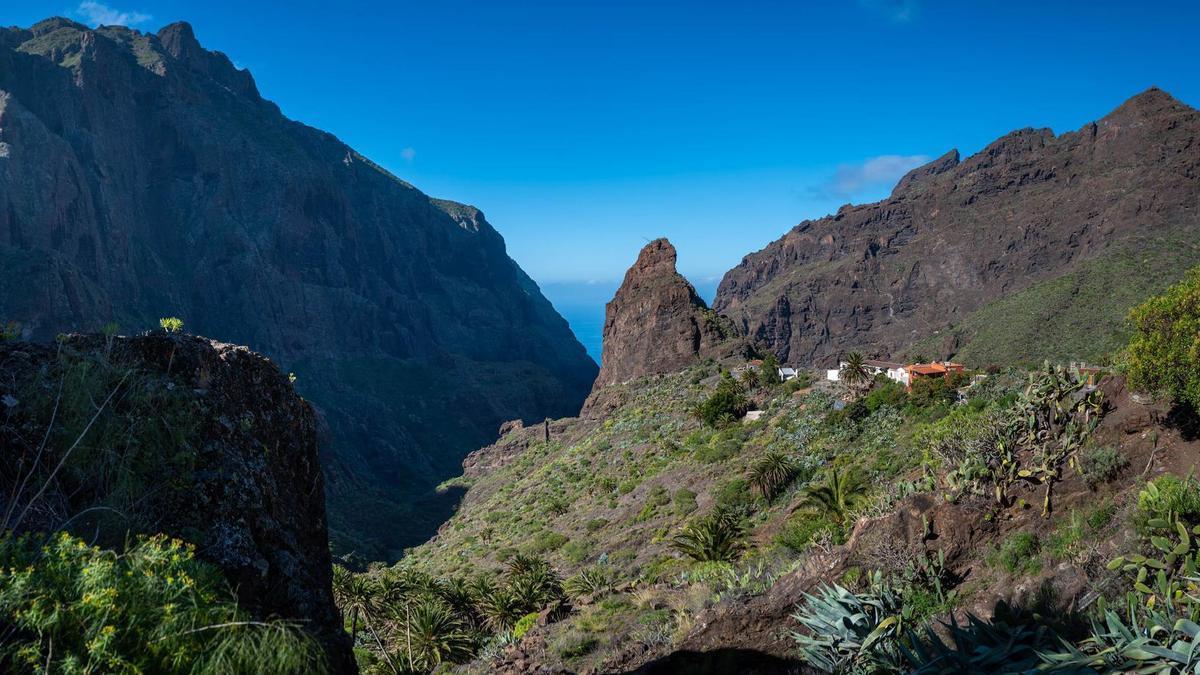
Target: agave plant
{"x":591,"y":581}
{"x":981,"y":647}
{"x":1154,"y":644}
{"x":772,"y":473}
{"x":849,"y":632}
{"x":715,"y":537}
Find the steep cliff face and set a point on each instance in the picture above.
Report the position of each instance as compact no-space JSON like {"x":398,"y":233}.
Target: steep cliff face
{"x":1063,"y":225}
{"x":176,"y":434}
{"x":143,"y":176}
{"x":656,"y":323}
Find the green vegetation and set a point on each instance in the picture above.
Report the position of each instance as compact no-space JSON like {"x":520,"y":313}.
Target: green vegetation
{"x":726,"y":405}
{"x":715,"y":537}
{"x":841,"y":491}
{"x":171,"y":324}
{"x":1018,"y":555}
{"x":1079,"y":315}
{"x":417,"y":623}
{"x":772,"y":473}
{"x":1164,"y":353}
{"x":1101,"y":464}
{"x":70,"y":607}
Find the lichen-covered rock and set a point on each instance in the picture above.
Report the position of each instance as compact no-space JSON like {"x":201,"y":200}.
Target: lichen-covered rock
{"x":219,"y":449}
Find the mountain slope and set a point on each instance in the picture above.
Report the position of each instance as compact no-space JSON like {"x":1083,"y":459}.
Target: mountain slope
{"x":955,"y":236}
{"x":143,"y":176}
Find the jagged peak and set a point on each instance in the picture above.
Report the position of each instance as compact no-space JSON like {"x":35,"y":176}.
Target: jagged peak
{"x":658,"y":255}
{"x":940,"y":165}
{"x":1148,"y":103}
{"x":55,"y":23}
{"x":179,"y":39}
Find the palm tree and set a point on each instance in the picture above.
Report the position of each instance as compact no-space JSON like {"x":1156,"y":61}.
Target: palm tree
{"x":842,"y":492}
{"x":772,"y":473}
{"x":433,"y":632}
{"x":714,"y":538}
{"x":353,"y":593}
{"x":854,"y":371}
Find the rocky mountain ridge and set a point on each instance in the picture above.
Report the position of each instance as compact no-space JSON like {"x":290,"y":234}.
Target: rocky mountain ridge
{"x":1036,"y":218}
{"x":656,"y":322}
{"x":144,"y":176}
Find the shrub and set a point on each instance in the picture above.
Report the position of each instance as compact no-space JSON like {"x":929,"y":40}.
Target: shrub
{"x":726,"y":405}
{"x":1168,"y":498}
{"x":1164,"y":353}
{"x":1101,"y":464}
{"x":722,"y":446}
{"x":547,"y":541}
{"x":596,"y":524}
{"x":171,"y":324}
{"x":885,"y":392}
{"x":591,"y":581}
{"x":574,"y":644}
{"x":1018,"y":554}
{"x":685,"y":502}
{"x":801,"y":530}
{"x":72,"y":607}
{"x":801,"y":381}
{"x":521,"y":627}
{"x":733,"y":494}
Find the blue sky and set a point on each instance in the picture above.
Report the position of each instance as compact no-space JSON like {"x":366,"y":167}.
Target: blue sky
{"x":583,"y":129}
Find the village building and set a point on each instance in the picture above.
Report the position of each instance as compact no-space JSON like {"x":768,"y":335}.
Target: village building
{"x":942,"y":369}
{"x":874,"y":367}
{"x":787,"y":374}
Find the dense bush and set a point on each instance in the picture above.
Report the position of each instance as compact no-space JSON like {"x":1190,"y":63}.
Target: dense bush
{"x":1164,"y":353}
{"x":66,"y":606}
{"x":1101,"y":464}
{"x":726,"y":405}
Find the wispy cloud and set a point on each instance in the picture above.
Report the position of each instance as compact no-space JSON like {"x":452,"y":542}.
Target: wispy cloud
{"x":897,"y":10}
{"x":97,"y":14}
{"x":408,"y":154}
{"x":881,"y":171}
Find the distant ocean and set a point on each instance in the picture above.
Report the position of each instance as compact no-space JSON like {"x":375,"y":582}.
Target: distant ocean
{"x":587,"y":322}
{"x":582,"y":305}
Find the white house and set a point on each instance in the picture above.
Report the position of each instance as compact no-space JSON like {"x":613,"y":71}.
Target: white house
{"x":894,"y":371}
{"x":786,"y":374}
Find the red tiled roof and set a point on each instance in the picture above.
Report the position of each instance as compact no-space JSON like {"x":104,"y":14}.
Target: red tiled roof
{"x":927,"y":369}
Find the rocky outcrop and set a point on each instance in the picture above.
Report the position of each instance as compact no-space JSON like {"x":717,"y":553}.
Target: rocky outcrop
{"x":201,"y":440}
{"x":955,"y":235}
{"x":656,"y":323}
{"x":143,"y":176}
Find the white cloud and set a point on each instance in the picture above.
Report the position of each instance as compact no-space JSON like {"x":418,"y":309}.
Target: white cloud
{"x":851,"y":179}
{"x":97,"y":14}
{"x":408,"y":154}
{"x":897,"y":10}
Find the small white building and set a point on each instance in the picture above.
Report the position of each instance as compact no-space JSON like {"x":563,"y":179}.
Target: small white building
{"x":786,"y":374}
{"x":894,"y":371}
